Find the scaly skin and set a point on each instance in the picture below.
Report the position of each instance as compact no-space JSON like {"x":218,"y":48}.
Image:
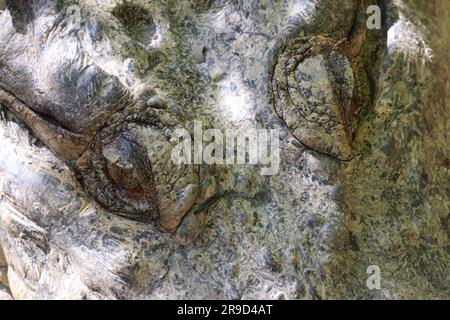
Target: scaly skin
{"x":91,"y":205}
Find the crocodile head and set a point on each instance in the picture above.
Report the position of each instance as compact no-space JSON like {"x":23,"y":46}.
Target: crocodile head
{"x":92,"y":204}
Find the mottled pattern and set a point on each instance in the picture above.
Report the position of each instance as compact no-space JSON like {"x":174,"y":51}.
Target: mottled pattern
{"x":91,"y":206}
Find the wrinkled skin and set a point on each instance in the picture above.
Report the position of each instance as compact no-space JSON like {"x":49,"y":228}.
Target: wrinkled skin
{"x":91,"y":205}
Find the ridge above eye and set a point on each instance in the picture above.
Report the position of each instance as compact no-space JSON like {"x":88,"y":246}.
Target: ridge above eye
{"x":137,"y":21}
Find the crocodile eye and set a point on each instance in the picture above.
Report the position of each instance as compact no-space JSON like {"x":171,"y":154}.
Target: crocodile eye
{"x":119,"y":176}
{"x":314,"y":93}
{"x":128,"y":166}
{"x":129,"y":171}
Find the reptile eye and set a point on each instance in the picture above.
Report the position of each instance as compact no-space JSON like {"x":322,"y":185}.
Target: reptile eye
{"x":128,"y":166}
{"x":129,"y":171}
{"x":314,"y":93}
{"x":118,"y":174}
